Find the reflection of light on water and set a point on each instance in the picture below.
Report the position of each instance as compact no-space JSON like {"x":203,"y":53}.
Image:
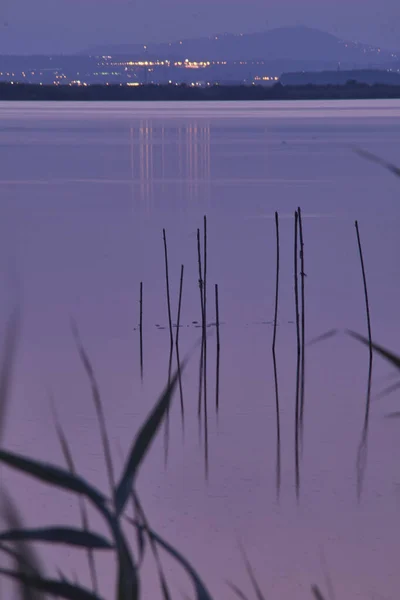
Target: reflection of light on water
{"x":163,"y":155}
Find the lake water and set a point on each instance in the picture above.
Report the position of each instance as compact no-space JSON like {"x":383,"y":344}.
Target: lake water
{"x":86,"y":190}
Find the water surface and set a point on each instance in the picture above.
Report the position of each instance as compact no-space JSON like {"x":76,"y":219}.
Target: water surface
{"x":86,"y":190}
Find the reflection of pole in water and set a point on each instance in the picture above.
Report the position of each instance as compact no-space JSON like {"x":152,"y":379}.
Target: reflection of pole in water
{"x":166,"y":438}
{"x":198,"y":168}
{"x":146,"y":161}
{"x":141,"y":163}
{"x":196,"y":159}
{"x":141,"y":329}
{"x":218,"y":348}
{"x":131,"y":152}
{"x":163,"y":158}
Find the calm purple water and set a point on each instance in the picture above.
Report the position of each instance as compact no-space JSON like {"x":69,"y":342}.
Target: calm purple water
{"x":86,"y":190}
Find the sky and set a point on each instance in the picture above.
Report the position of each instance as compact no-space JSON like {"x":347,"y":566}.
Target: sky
{"x":34,"y":26}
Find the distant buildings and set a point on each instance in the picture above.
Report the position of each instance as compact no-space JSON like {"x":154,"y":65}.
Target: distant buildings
{"x":128,"y":69}
{"x":145,"y":68}
{"x":367,"y":76}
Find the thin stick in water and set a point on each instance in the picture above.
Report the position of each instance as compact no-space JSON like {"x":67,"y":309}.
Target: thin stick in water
{"x":363,"y":447}
{"x":218,"y":349}
{"x":205,"y":349}
{"x":278,"y":425}
{"x":167,"y":285}
{"x":141,"y":329}
{"x":202,"y":329}
{"x":178,"y":324}
{"x":303,"y":335}
{"x":297,"y":409}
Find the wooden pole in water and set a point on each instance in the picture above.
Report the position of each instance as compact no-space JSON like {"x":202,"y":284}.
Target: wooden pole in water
{"x":303,"y":344}
{"x":167,"y":286}
{"x":202,"y":327}
{"x":278,"y":425}
{"x":362,"y":450}
{"x":178,"y":324}
{"x":205,"y":349}
{"x":297,"y":408}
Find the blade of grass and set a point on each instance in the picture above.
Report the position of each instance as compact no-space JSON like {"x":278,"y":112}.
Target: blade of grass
{"x":321,"y":338}
{"x":128,"y":583}
{"x":87,"y":365}
{"x":327,"y":576}
{"x":140,"y":536}
{"x":144,"y":521}
{"x":252,"y":577}
{"x":383,"y":352}
{"x":82,"y":506}
{"x":20,"y":559}
{"x":317,"y":593}
{"x":54,"y":476}
{"x":58,"y":535}
{"x":25,"y":557}
{"x":389,"y":390}
{"x":237,"y":591}
{"x":53,"y":587}
{"x":380,"y":161}
{"x":141,"y":446}
{"x":199,"y":587}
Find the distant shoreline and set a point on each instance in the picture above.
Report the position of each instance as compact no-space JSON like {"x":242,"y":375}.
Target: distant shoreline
{"x":173,"y":93}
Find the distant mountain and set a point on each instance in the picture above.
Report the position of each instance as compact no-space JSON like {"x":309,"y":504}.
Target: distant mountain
{"x":285,"y":44}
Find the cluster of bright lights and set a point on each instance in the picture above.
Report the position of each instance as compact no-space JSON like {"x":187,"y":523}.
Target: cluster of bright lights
{"x":258,"y":78}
